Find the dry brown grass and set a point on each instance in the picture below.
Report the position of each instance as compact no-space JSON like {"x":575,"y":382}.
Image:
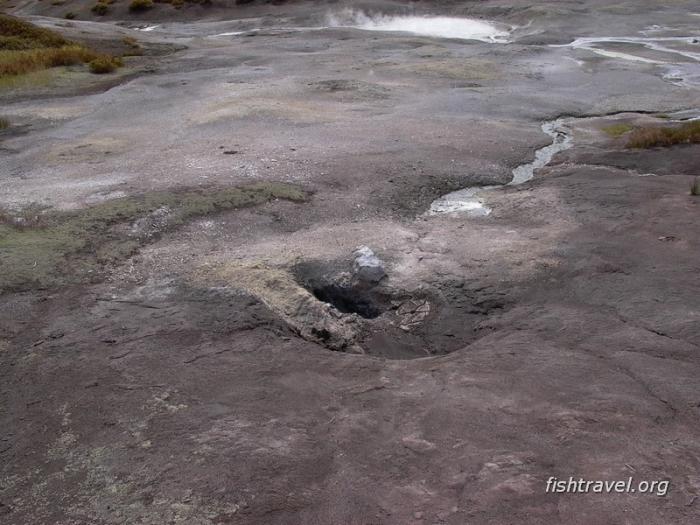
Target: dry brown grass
{"x":22,"y":62}
{"x":100,"y":8}
{"x":16,"y":34}
{"x":133,"y":47}
{"x":105,"y":64}
{"x":26,"y":48}
{"x":140,"y":5}
{"x":655,"y":137}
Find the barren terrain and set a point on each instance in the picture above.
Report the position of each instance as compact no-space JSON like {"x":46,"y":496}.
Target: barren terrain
{"x":188,"y":335}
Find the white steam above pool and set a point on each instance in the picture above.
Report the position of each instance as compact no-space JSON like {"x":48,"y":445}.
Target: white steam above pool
{"x":434,"y":26}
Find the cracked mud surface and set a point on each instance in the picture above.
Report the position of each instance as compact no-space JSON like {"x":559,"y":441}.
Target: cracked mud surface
{"x":230,"y":370}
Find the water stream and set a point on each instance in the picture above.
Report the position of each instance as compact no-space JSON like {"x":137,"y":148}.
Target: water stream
{"x":679,"y":55}
{"x":467,"y":200}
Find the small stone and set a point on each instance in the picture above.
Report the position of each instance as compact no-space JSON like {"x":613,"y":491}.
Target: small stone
{"x":368,"y":267}
{"x":417,"y":444}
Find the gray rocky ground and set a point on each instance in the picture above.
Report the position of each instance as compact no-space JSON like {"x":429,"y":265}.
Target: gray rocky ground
{"x":236,"y":368}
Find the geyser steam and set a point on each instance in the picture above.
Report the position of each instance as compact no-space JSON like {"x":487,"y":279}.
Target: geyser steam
{"x":435,"y":26}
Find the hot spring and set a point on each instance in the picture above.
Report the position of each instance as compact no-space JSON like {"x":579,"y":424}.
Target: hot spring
{"x":434,"y":26}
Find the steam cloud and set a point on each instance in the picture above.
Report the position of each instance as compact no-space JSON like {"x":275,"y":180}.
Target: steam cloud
{"x":435,"y":26}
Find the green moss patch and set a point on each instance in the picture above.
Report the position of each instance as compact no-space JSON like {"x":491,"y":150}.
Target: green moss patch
{"x":40,"y":248}
{"x":617,"y":130}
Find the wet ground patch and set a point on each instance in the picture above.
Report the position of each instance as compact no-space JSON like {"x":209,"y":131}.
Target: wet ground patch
{"x":413,"y":193}
{"x":43,"y":248}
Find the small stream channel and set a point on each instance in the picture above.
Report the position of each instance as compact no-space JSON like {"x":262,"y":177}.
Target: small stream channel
{"x":467,"y":200}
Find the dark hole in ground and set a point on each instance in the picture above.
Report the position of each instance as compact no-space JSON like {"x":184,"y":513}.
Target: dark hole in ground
{"x":447,"y":316}
{"x":332,"y":283}
{"x":347,"y":299}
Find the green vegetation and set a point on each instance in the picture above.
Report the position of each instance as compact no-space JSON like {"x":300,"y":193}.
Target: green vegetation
{"x":140,"y":5}
{"x":617,"y":130}
{"x":70,"y":15}
{"x":40,"y":247}
{"x":105,"y":64}
{"x":695,"y":187}
{"x":26,"y":48}
{"x":4,"y":123}
{"x":653,"y":137}
{"x":100,"y":8}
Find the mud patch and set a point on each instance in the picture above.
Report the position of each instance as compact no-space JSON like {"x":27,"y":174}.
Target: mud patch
{"x":354,"y":89}
{"x":453,"y":69}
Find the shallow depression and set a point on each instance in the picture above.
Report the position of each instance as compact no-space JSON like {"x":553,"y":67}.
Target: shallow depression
{"x":434,"y":26}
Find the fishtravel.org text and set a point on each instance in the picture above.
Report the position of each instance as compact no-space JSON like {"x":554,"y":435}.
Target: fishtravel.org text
{"x":628,"y":486}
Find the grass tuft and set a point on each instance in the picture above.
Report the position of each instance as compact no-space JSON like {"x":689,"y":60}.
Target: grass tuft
{"x":4,"y":123}
{"x":695,"y":187}
{"x":100,"y":8}
{"x":133,"y":47}
{"x":655,"y":137}
{"x":105,"y":64}
{"x":140,"y":5}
